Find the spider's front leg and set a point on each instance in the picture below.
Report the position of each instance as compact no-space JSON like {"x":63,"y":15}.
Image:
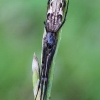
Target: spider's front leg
{"x":42,"y":70}
{"x":48,"y":65}
{"x":66,"y":10}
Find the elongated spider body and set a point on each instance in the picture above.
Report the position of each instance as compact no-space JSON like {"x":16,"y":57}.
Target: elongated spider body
{"x":56,"y":17}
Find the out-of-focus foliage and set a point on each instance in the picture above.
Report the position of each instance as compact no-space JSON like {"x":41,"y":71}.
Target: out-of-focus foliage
{"x":77,"y":65}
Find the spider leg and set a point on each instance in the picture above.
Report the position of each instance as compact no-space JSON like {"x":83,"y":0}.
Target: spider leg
{"x":42,"y":70}
{"x":48,"y":65}
{"x":41,"y":89}
{"x":44,"y":61}
{"x":45,"y":88}
{"x":64,"y":18}
{"x":66,"y":12}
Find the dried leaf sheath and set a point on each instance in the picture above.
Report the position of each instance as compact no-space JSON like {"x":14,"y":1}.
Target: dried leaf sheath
{"x":35,"y":74}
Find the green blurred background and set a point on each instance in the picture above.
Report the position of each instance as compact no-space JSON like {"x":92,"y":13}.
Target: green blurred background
{"x":77,"y":64}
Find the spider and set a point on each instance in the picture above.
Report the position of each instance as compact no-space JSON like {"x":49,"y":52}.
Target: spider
{"x":53,"y":24}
